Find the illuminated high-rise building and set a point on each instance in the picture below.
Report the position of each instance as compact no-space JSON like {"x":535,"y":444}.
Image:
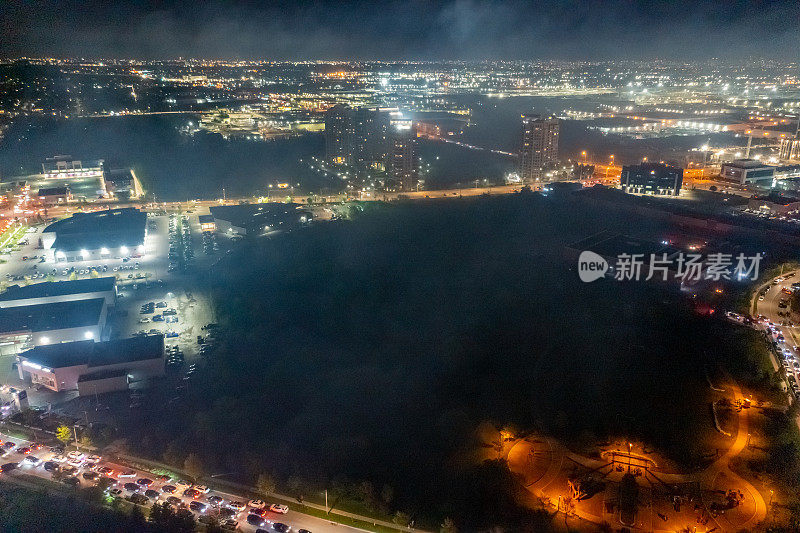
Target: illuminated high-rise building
{"x":539,"y":149}
{"x":338,"y":135}
{"x":404,"y":158}
{"x":370,"y":134}
{"x":358,"y":137}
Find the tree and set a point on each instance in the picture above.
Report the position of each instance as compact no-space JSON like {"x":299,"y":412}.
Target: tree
{"x":184,"y":522}
{"x":194,"y":466}
{"x":448,"y":526}
{"x":265,"y":485}
{"x":137,"y":519}
{"x":400,"y":518}
{"x":160,"y":515}
{"x":64,"y":433}
{"x":86,"y":441}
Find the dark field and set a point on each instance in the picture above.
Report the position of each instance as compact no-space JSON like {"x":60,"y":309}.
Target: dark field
{"x":364,"y":354}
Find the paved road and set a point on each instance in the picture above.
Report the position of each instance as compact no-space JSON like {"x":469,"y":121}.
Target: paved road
{"x":293,"y":518}
{"x":777,"y":327}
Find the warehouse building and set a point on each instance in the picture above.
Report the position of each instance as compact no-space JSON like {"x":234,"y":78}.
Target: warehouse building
{"x":54,"y":195}
{"x":747,"y":171}
{"x":256,"y":219}
{"x":96,"y":235}
{"x":207,"y":223}
{"x":24,"y":326}
{"x":60,"y":291}
{"x":93,"y":368}
{"x":122,"y":183}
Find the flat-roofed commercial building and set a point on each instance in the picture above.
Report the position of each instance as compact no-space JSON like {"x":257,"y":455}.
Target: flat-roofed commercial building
{"x":255,"y":219}
{"x":96,"y":235}
{"x":54,"y":195}
{"x":60,"y":291}
{"x":743,"y":171}
{"x":207,"y":223}
{"x":93,"y":368}
{"x":66,"y":166}
{"x":652,"y":178}
{"x":51,"y":323}
{"x":774,"y":204}
{"x":122,"y":183}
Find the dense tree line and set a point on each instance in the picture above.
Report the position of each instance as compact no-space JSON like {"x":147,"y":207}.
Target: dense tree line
{"x":25,"y":510}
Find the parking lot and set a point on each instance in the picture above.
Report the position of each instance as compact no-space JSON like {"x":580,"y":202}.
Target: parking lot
{"x":74,"y":468}
{"x":151,"y":279}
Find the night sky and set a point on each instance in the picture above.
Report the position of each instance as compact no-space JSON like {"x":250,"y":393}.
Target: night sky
{"x":413,"y":29}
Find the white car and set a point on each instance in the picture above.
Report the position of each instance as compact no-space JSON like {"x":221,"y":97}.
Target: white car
{"x":257,"y":504}
{"x":76,"y":455}
{"x":201,"y":488}
{"x":182,"y":485}
{"x":279,"y":508}
{"x":94,"y":459}
{"x":31,"y":460}
{"x":58,"y":458}
{"x":237,"y":506}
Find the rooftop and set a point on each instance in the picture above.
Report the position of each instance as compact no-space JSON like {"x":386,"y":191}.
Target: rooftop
{"x":118,"y":175}
{"x":257,"y":215}
{"x":110,"y":228}
{"x":746,"y":163}
{"x":97,"y":354}
{"x":102,"y":374}
{"x":58,"y":288}
{"x":53,"y":191}
{"x":650,"y":167}
{"x":776,"y":198}
{"x":47,"y":317}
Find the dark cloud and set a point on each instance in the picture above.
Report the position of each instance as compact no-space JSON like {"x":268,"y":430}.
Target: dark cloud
{"x":413,"y":29}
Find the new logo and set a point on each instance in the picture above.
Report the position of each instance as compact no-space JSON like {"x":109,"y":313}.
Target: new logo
{"x":591,"y":266}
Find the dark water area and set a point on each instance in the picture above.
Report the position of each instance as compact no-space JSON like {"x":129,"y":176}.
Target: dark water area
{"x":172,"y":165}
{"x":177,"y":166}
{"x":496,"y":124}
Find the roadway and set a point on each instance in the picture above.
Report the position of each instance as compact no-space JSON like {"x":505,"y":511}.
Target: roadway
{"x":777,"y":323}
{"x":123,"y":474}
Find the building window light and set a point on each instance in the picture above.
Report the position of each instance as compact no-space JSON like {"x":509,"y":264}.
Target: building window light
{"x":44,"y":340}
{"x":104,"y":251}
{"x":123,"y":250}
{"x":88,"y":335}
{"x":84,"y":253}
